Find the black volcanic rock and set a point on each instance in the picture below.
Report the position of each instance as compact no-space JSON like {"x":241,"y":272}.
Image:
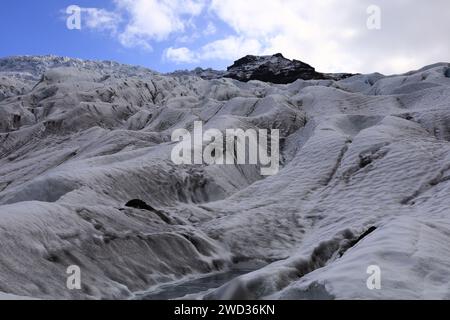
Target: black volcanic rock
{"x":139,"y":204}
{"x":274,"y":69}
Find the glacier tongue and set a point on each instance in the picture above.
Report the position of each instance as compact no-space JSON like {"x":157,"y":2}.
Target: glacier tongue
{"x":364,"y":180}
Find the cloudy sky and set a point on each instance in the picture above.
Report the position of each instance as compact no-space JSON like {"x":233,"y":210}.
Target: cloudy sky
{"x":389,"y":36}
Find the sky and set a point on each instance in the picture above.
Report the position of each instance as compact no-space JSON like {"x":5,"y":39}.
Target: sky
{"x":332,"y":35}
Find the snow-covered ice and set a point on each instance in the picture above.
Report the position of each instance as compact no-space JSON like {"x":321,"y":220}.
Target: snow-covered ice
{"x":364,"y":180}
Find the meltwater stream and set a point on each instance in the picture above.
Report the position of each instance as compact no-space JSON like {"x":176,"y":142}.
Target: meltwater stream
{"x":192,"y":286}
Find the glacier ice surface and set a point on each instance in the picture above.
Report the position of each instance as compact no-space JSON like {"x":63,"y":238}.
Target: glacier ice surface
{"x":80,"y":139}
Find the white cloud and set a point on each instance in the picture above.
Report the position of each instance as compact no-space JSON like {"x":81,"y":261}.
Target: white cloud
{"x":180,"y":55}
{"x":227,"y":49}
{"x":136,"y":23}
{"x":156,"y":19}
{"x":100,"y":19}
{"x":332,"y":34}
{"x":316,"y":32}
{"x":255,"y":18}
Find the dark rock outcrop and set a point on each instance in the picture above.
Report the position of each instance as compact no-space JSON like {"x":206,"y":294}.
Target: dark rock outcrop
{"x":141,"y":205}
{"x":274,"y":69}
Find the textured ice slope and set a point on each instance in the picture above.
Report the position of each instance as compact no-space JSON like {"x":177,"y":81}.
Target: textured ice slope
{"x":364,"y":180}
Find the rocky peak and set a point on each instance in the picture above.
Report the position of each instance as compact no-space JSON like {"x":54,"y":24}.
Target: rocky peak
{"x":274,"y":69}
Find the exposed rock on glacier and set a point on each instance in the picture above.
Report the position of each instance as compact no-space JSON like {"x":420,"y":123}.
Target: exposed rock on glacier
{"x":364,"y":180}
{"x":274,"y":69}
{"x":206,"y":74}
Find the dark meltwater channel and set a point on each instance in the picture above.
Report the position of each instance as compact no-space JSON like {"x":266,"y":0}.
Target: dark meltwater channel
{"x":181,"y":289}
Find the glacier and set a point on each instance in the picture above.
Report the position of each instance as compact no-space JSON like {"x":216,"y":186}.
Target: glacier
{"x":86,"y":179}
